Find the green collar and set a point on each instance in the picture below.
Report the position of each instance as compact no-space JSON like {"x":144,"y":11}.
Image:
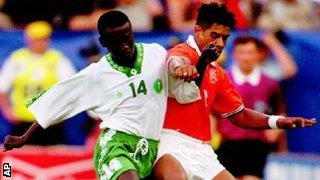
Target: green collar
{"x":126,"y":70}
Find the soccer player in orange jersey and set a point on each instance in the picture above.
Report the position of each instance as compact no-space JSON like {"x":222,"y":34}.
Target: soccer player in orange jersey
{"x":183,"y":153}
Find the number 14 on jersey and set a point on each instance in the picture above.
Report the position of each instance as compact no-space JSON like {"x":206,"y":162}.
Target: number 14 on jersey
{"x":141,"y":88}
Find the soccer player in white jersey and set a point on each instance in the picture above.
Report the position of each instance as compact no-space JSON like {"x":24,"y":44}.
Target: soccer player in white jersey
{"x":127,"y":89}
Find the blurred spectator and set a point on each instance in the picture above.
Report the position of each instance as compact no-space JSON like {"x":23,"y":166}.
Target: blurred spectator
{"x":5,"y":21}
{"x":27,"y":72}
{"x":172,"y":41}
{"x":275,"y":61}
{"x":140,"y":12}
{"x":242,"y":12}
{"x":288,"y":15}
{"x":243,"y":152}
{"x":87,"y":20}
{"x":182,"y":14}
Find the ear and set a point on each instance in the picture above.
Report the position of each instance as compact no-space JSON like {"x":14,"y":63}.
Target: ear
{"x":103,"y":44}
{"x":197,"y":30}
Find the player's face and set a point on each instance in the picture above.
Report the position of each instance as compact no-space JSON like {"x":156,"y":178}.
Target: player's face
{"x":216,"y":34}
{"x":120,"y":41}
{"x":246,"y":56}
{"x":37,"y":45}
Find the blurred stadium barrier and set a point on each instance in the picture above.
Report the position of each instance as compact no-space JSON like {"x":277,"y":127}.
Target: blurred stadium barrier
{"x":293,"y":167}
{"x":52,"y":162}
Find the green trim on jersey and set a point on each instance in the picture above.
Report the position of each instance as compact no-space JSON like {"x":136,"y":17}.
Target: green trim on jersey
{"x":35,"y":97}
{"x":126,"y":70}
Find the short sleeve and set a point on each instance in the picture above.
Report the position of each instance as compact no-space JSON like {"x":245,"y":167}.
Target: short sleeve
{"x":67,"y":98}
{"x":228,"y":102}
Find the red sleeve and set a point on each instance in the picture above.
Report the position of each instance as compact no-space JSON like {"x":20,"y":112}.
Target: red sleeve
{"x":227,"y":101}
{"x":185,"y":51}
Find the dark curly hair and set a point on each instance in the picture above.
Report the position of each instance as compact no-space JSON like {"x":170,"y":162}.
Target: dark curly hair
{"x":212,"y":13}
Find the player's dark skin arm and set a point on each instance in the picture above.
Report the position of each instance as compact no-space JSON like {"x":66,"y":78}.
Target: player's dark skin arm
{"x":189,"y":72}
{"x":208,"y":55}
{"x":251,"y":119}
{"x":11,"y":142}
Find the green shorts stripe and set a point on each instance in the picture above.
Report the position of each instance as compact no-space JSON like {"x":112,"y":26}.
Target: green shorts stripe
{"x":116,"y":152}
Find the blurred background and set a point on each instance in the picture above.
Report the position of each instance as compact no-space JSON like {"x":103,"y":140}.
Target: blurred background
{"x":288,"y":29}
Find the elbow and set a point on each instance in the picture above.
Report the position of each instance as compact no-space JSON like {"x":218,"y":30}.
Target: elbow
{"x":289,"y":73}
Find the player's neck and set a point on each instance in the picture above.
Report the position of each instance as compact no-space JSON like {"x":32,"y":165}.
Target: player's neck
{"x":125,"y":61}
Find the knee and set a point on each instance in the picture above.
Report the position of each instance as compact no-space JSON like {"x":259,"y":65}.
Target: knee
{"x":167,"y":168}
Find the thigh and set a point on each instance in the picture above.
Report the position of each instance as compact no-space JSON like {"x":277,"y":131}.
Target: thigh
{"x":168,"y":167}
{"x":224,"y":175}
{"x":111,"y":159}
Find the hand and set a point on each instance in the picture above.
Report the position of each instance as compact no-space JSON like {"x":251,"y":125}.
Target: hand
{"x":210,"y":53}
{"x":11,"y":142}
{"x":293,"y":122}
{"x":186,"y":72}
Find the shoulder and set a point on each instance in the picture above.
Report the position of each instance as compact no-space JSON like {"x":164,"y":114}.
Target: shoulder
{"x":19,"y":53}
{"x":55,"y":52}
{"x":155,"y":47}
{"x":183,"y":48}
{"x":185,"y":51}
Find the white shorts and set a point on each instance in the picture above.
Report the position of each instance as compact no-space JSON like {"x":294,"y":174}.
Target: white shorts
{"x":197,"y":158}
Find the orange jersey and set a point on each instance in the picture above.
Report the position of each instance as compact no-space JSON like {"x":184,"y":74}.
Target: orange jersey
{"x":217,"y":95}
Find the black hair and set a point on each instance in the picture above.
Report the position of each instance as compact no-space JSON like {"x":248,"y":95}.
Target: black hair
{"x":244,"y":39}
{"x":211,"y":13}
{"x":111,"y":19}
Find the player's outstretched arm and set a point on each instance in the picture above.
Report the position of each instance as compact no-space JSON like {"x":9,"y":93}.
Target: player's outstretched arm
{"x":251,"y":119}
{"x":11,"y":142}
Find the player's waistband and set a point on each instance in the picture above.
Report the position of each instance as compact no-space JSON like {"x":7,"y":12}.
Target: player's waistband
{"x":184,"y":136}
{"x":132,"y":137}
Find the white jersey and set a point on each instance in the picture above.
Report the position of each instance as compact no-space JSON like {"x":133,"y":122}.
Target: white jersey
{"x":129,"y":100}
